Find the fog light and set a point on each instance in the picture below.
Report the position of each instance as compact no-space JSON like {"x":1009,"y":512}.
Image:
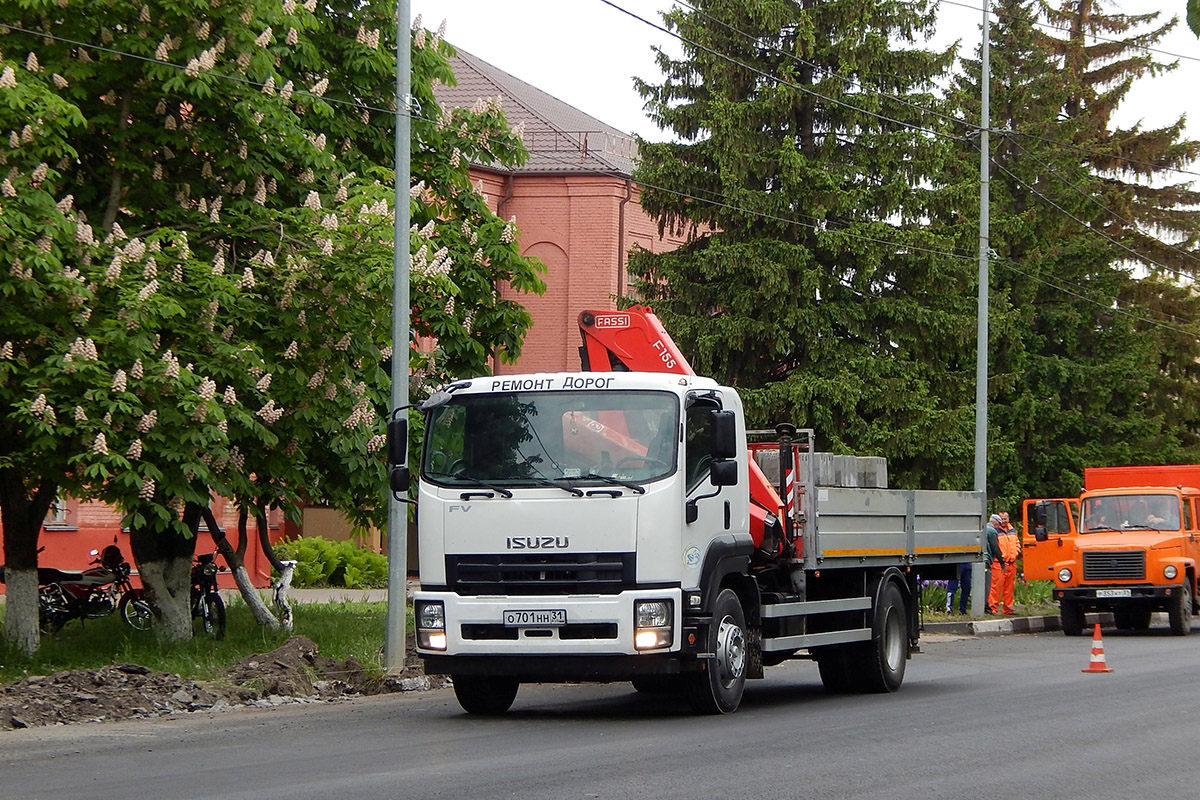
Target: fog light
{"x":654,"y":624}
{"x":1064,"y":575}
{"x":430,"y":617}
{"x":1169,"y":571}
{"x":431,"y":640}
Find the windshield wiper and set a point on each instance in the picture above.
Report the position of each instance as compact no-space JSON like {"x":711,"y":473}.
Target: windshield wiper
{"x":1093,"y":528}
{"x":609,"y":480}
{"x":477,"y":482}
{"x":547,"y":482}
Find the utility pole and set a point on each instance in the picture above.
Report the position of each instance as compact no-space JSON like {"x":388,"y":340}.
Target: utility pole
{"x":978,"y":585}
{"x":397,"y":550}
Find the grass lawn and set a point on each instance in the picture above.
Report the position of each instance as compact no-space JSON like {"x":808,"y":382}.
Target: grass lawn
{"x":340,"y":630}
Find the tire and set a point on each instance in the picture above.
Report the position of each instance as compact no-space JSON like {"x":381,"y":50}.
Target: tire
{"x":834,"y":668}
{"x":212,"y":615}
{"x":1071,"y":617}
{"x":1179,"y":613}
{"x":137,"y":613}
{"x":718,"y":688}
{"x":877,"y":666}
{"x":486,"y":695}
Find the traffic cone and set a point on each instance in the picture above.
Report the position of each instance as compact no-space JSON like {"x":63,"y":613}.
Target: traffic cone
{"x":1097,"y":663}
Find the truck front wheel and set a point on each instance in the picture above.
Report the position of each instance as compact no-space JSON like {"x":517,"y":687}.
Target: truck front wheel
{"x":1179,"y":614}
{"x":1071,"y":617}
{"x":718,"y":689}
{"x":487,"y":695}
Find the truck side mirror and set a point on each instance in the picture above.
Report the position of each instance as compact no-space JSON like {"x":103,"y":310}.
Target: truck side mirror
{"x":397,"y":441}
{"x":724,"y":435}
{"x":398,"y":479}
{"x":1039,"y":522}
{"x":723,"y":473}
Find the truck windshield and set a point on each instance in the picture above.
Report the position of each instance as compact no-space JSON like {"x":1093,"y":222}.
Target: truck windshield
{"x":1158,"y":512}
{"x":568,"y":438}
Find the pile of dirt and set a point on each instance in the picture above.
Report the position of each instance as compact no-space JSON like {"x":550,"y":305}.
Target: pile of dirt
{"x":293,"y":672}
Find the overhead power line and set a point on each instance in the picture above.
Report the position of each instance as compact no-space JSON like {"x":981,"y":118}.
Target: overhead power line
{"x":1075,"y":290}
{"x":993,"y":12}
{"x":832,"y":73}
{"x":761,"y":73}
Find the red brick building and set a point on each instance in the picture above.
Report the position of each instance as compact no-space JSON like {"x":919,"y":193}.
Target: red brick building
{"x":577,"y":212}
{"x":575,"y":203}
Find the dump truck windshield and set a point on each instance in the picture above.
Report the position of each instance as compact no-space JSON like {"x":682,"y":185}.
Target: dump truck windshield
{"x":1131,"y":512}
{"x":568,"y":438}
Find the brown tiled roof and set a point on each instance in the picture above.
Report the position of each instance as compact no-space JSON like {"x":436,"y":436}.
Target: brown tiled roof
{"x":559,"y":137}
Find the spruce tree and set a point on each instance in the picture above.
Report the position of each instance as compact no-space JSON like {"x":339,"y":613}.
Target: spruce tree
{"x":1077,"y":351}
{"x":809,"y":280}
{"x":1150,"y":209}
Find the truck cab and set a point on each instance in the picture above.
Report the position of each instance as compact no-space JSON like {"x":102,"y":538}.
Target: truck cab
{"x":1127,"y":550}
{"x":576,"y":517}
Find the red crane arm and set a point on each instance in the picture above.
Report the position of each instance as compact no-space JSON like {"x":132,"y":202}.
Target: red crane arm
{"x":633,"y":340}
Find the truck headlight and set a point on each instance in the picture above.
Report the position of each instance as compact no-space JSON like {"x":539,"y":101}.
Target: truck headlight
{"x":1064,"y":575}
{"x":1169,"y":572}
{"x":431,"y":624}
{"x":653,"y":623}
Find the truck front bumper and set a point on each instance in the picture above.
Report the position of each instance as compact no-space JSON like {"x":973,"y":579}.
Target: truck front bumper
{"x":1091,"y":597}
{"x":555,"y":669}
{"x":595,"y":641}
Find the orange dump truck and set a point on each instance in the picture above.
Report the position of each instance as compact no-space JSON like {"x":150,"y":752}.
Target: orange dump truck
{"x":1128,"y":544}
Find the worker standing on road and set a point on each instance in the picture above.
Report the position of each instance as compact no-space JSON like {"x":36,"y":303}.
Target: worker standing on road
{"x":1004,"y":563}
{"x":962,"y":585}
{"x":995,"y":560}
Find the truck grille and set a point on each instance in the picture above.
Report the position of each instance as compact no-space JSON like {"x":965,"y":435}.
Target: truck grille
{"x":543,"y":573}
{"x":1102,"y":565}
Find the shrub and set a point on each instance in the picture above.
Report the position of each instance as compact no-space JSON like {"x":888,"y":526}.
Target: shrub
{"x":323,"y":562}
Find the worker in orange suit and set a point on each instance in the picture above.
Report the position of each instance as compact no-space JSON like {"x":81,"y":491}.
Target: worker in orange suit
{"x":1004,"y":567}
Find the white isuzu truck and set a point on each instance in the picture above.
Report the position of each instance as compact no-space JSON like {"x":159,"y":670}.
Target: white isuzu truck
{"x":597,"y":526}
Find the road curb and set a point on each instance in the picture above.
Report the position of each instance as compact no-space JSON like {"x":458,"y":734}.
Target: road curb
{"x":999,"y":626}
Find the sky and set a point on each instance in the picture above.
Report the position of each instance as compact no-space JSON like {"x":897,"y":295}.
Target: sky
{"x":585,"y":52}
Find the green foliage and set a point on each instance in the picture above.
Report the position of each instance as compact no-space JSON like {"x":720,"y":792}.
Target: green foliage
{"x":1078,"y":374}
{"x":196,"y":254}
{"x":324,"y":562}
{"x":1193,"y":16}
{"x":340,"y":630}
{"x":793,"y":183}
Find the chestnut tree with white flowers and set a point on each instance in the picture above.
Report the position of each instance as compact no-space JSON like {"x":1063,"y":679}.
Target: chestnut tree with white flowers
{"x":196,"y":261}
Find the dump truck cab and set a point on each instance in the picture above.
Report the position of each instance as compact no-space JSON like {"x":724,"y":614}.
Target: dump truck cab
{"x":1129,"y":551}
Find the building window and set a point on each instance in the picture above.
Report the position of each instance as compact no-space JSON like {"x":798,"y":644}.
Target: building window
{"x":60,"y":517}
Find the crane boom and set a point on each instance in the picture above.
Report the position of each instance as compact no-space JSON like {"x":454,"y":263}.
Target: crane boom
{"x":634,"y":340}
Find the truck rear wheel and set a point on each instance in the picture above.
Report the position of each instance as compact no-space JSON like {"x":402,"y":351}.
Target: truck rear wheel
{"x":1132,"y":619}
{"x":834,"y":668}
{"x":1179,"y":614}
{"x":487,"y":695}
{"x":1071,"y":617}
{"x":878,"y":665}
{"x":718,"y":689}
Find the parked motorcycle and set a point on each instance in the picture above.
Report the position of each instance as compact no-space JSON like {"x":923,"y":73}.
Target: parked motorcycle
{"x":94,"y":592}
{"x":207,"y":605}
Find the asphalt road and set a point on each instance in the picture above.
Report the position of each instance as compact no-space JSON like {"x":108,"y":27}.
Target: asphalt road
{"x":985,"y":717}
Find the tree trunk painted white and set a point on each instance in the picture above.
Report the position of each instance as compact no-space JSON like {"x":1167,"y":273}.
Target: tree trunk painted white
{"x":262,"y":614}
{"x":21,"y":614}
{"x":281,"y":589}
{"x":171,"y":584}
